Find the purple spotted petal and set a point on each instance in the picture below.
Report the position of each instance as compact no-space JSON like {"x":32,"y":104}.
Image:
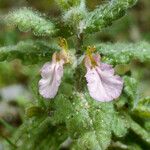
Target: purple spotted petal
{"x":51,"y":73}
{"x":103,"y":85}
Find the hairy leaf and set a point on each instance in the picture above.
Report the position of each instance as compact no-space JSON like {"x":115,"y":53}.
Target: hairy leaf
{"x":120,"y":125}
{"x":26,"y":19}
{"x":143,"y":107}
{"x":88,"y":122}
{"x":130,"y":89}
{"x":28,"y":52}
{"x":104,"y":15}
{"x":66,"y":4}
{"x":38,"y":134}
{"x":75,"y":14}
{"x":124,"y":53}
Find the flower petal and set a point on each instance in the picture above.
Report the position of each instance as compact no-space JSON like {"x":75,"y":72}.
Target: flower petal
{"x":97,"y":58}
{"x":87,"y":62}
{"x":107,"y":68}
{"x":103,"y":85}
{"x":51,"y":78}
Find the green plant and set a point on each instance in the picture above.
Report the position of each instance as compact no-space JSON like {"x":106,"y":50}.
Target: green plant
{"x":73,"y":116}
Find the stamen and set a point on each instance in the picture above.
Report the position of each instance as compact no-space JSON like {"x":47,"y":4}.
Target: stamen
{"x":90,"y":51}
{"x":63,"y":43}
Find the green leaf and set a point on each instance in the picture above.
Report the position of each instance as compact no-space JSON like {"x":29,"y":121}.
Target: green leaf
{"x":88,"y":122}
{"x":26,"y":19}
{"x":124,"y":53}
{"x":130,"y":86}
{"x":61,"y":113}
{"x":104,"y":15}
{"x":38,"y":133}
{"x":75,"y":14}
{"x":34,"y":111}
{"x":142,"y":108}
{"x":66,"y":4}
{"x":28,"y":52}
{"x":93,"y":121}
{"x":120,"y":125}
{"x":130,"y":89}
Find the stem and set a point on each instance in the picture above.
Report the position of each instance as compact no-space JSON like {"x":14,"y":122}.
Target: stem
{"x":79,"y":76}
{"x":141,"y":132}
{"x":12,"y":144}
{"x":118,"y":144}
{"x":79,"y":44}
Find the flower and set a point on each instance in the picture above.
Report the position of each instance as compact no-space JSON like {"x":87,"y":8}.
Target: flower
{"x":102,"y":84}
{"x":52,"y":72}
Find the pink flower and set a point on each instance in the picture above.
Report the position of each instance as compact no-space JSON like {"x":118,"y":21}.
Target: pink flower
{"x":102,"y":84}
{"x":51,"y":73}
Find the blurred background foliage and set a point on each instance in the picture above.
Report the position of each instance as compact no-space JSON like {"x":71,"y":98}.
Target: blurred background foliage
{"x":15,"y":78}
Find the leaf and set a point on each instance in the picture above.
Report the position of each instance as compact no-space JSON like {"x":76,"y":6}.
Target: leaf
{"x":104,"y":15}
{"x":143,"y":107}
{"x":28,"y":52}
{"x":120,"y":125}
{"x":26,"y":19}
{"x":75,"y":14}
{"x":63,"y":108}
{"x":124,"y":53}
{"x":94,"y":131}
{"x":130,"y":89}
{"x":66,"y":4}
{"x":34,"y":111}
{"x":88,"y":122}
{"x":130,"y":86}
{"x":38,"y":133}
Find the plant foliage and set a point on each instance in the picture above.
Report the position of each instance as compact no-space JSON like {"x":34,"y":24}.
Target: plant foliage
{"x":73,"y":117}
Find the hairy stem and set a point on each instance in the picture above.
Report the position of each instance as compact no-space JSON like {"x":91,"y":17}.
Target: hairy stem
{"x":79,"y":72}
{"x":141,"y":132}
{"x":79,"y":45}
